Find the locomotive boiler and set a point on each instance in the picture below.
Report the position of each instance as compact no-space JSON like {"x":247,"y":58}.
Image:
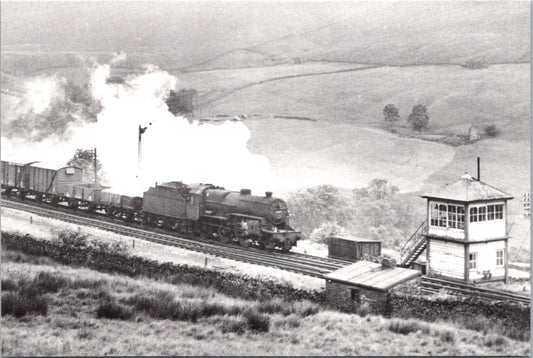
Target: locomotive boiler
{"x":215,"y":212}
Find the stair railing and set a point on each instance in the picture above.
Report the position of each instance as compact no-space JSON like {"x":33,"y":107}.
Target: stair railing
{"x":412,"y":243}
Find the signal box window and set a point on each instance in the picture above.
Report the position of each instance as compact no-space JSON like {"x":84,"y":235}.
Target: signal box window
{"x":472,"y":260}
{"x":499,"y":257}
{"x":448,"y":216}
{"x":495,"y":212}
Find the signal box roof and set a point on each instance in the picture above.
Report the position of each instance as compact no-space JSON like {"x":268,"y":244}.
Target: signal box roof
{"x":372,"y":275}
{"x":468,"y":189}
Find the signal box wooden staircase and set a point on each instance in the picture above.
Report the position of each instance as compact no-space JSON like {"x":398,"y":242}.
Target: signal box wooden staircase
{"x":416,"y":244}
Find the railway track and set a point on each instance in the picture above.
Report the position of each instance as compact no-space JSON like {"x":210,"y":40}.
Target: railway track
{"x":433,"y":285}
{"x":295,"y":262}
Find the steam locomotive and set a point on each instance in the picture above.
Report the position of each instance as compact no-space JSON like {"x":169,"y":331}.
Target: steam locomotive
{"x":204,"y":209}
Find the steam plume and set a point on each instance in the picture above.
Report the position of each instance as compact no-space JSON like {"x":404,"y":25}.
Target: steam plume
{"x":173,"y":148}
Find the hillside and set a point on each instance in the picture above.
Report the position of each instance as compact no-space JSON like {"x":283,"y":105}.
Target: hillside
{"x":185,"y":34}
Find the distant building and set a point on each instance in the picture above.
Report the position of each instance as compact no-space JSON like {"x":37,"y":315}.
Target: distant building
{"x":473,"y":133}
{"x":467,"y":232}
{"x":351,"y":249}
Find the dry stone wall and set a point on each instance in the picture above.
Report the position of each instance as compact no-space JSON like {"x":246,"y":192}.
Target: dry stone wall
{"x":228,"y":283}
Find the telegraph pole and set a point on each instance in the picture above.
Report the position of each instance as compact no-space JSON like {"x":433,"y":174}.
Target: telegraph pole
{"x":95,"y":169}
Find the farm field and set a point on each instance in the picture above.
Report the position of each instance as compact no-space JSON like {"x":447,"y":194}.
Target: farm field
{"x":456,"y":97}
{"x":82,"y":310}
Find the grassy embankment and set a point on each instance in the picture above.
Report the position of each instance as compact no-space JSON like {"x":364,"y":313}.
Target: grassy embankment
{"x":80,"y":311}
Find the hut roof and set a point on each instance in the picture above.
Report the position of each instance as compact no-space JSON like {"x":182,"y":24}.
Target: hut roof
{"x":372,"y":275}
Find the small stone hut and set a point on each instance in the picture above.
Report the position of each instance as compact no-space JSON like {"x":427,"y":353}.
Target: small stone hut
{"x":365,"y":283}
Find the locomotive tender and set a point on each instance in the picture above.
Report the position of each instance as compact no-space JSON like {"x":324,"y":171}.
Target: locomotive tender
{"x":210,"y":211}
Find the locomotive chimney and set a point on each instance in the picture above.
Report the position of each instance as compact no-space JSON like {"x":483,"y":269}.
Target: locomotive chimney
{"x":268,"y":194}
{"x":246,"y":192}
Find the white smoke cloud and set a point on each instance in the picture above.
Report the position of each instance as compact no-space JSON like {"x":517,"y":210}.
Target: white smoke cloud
{"x":172,"y":147}
{"x":40,"y":91}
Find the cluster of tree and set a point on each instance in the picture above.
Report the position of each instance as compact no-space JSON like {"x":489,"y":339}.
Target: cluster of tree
{"x":84,"y":159}
{"x":491,"y":130}
{"x":374,"y":212}
{"x":418,"y":118}
{"x":183,"y":101}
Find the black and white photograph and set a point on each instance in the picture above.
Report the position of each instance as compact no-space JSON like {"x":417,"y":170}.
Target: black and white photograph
{"x":265,"y":178}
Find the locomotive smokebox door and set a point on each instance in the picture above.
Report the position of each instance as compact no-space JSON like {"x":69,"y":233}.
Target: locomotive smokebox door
{"x":193,"y":207}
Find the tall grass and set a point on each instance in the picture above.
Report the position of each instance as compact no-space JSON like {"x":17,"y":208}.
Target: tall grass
{"x":26,"y":296}
{"x":163,"y":305}
{"x":302,"y":308}
{"x":18,"y":305}
{"x":109,"y":308}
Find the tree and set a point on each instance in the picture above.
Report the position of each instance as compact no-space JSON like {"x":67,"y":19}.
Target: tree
{"x":183,"y":101}
{"x":391,"y":113}
{"x":419,"y":117}
{"x":491,"y":130}
{"x":84,"y":159}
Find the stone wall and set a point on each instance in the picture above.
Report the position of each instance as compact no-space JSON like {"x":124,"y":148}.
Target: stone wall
{"x":339,"y":295}
{"x":102,"y":260}
{"x":460,"y":308}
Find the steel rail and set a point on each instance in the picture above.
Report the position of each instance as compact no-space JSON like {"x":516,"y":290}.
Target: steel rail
{"x":299,"y":263}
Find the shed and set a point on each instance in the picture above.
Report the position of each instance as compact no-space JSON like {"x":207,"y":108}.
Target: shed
{"x":353,"y":249}
{"x":365,"y":283}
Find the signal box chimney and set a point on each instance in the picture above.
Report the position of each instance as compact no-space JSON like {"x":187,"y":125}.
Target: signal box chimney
{"x":478,"y":169}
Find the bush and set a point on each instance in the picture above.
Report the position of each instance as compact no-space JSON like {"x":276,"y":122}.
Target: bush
{"x":162,"y":305}
{"x":491,"y":130}
{"x":494,"y":340}
{"x":291,"y":321}
{"x":108,"y":308}
{"x":9,"y":284}
{"x":305,"y":308}
{"x":256,"y":321}
{"x":407,"y":326}
{"x":233,"y":324}
{"x":19,"y":305}
{"x":275,"y":305}
{"x":447,"y":336}
{"x":47,"y":282}
{"x":71,"y":238}
{"x":87,"y":283}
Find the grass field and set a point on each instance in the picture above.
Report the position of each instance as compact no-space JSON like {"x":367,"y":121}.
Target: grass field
{"x":456,"y":97}
{"x":84,"y":312}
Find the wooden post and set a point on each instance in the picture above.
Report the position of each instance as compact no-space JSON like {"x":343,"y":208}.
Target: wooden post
{"x":95,"y":169}
{"x":505,"y":262}
{"x":31,"y":220}
{"x":467,"y":262}
{"x":205,"y":264}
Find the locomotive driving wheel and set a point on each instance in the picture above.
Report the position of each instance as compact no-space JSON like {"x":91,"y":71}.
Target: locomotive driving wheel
{"x":245,"y":242}
{"x":225,"y":234}
{"x":287,"y":245}
{"x":204,"y":230}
